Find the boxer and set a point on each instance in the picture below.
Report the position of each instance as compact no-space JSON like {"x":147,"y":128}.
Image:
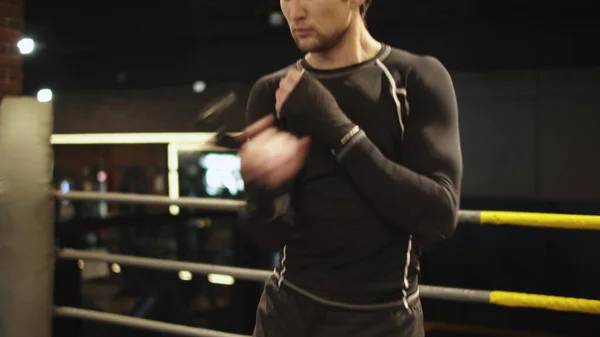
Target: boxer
{"x":353,"y":167}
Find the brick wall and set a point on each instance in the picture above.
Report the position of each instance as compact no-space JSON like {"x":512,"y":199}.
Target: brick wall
{"x":11,"y":25}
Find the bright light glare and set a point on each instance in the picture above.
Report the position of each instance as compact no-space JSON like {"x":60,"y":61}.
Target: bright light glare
{"x":44,"y":95}
{"x":276,"y":19}
{"x":26,"y":46}
{"x":199,"y":86}
{"x":185,"y":275}
{"x":115,"y":268}
{"x":221,"y":279}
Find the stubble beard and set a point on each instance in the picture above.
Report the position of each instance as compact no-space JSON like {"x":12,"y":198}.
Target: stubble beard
{"x":322,"y":44}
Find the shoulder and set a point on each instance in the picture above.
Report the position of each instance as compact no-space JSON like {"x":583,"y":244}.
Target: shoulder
{"x":270,"y":82}
{"x":261,"y":99}
{"x":425,"y":69}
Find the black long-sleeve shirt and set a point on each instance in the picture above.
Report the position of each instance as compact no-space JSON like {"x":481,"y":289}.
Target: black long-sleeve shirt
{"x":360,"y":218}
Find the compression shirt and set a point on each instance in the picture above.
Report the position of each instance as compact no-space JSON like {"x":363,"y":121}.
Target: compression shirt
{"x":358,"y":220}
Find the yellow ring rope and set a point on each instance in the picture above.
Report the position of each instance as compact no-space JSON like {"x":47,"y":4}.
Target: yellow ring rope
{"x":512,"y":299}
{"x":549,"y":220}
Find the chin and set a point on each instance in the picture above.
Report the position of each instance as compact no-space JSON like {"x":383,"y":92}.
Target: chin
{"x":305,"y":49}
{"x":309,"y":47}
{"x":305,"y":46}
{"x":315,"y":45}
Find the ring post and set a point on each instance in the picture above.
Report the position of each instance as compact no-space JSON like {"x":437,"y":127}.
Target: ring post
{"x":26,"y":218}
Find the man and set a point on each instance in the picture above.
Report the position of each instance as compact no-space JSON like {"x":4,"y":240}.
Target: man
{"x":353,"y":166}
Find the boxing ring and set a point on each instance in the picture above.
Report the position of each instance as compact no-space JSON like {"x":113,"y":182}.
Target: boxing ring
{"x":28,"y":251}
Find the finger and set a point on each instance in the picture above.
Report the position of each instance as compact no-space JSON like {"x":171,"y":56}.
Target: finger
{"x":257,"y":127}
{"x":278,"y":93}
{"x":295,"y":75}
{"x":276,"y":176}
{"x":251,"y":169}
{"x":257,"y":155}
{"x":255,"y":145}
{"x":275,"y":148}
{"x":288,"y":168}
{"x":246,"y":168}
{"x":249,"y":151}
{"x":279,"y":98}
{"x":276,"y":179}
{"x":247,"y":165}
{"x":288,"y":84}
{"x":270,"y":156}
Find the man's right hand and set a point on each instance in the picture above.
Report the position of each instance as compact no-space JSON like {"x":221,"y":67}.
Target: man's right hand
{"x":270,"y":157}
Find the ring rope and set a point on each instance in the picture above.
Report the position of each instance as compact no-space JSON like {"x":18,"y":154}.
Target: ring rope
{"x":532,"y":219}
{"x":161,"y":264}
{"x":211,"y":204}
{"x":41,"y":119}
{"x":527,"y":219}
{"x":140,"y":323}
{"x":556,"y":303}
{"x":501,"y":298}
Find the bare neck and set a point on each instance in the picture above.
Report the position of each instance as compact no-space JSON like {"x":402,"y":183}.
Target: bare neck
{"x":357,"y":46}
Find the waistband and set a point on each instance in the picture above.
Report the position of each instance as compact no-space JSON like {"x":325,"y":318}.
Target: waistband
{"x":406,"y":301}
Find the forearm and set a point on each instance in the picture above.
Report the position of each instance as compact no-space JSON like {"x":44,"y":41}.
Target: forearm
{"x":266,"y":217}
{"x":268,"y":221}
{"x":425,"y":206}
